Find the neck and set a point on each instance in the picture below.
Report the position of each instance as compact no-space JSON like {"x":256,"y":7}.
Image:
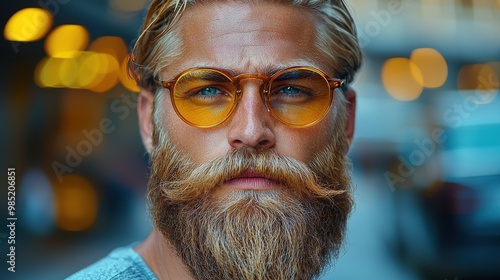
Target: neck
{"x":162,"y":258}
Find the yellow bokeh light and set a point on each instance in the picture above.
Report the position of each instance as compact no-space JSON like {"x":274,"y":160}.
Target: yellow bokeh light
{"x":85,"y":70}
{"x":90,"y":75}
{"x":28,"y":25}
{"x":107,"y":68}
{"x":432,"y":66}
{"x":483,"y":79}
{"x":112,"y":45}
{"x":495,"y":65}
{"x":400,"y":78}
{"x":47,"y":72}
{"x":467,"y":77}
{"x":128,"y":82}
{"x":68,"y":72}
{"x":76,"y":203}
{"x":487,"y":78}
{"x":65,"y":40}
{"x":477,"y":76}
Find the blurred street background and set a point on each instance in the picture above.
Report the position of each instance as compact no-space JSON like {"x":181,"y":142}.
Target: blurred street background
{"x":426,"y":159}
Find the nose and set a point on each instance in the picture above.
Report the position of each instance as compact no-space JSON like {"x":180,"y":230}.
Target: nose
{"x":251,"y":124}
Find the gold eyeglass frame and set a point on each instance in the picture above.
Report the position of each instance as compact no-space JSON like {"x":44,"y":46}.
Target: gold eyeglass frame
{"x":333,"y":83}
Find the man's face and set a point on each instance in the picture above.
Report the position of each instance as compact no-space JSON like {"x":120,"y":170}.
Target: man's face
{"x":251,"y":198}
{"x":247,"y":39}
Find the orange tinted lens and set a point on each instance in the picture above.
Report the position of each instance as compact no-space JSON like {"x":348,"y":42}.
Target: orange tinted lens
{"x":300,"y":97}
{"x":204,"y":97}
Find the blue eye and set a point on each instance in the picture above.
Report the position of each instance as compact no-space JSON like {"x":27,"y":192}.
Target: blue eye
{"x":291,"y":94}
{"x":209,"y":91}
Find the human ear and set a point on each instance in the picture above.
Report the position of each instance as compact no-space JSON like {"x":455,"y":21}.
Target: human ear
{"x":145,"y":113}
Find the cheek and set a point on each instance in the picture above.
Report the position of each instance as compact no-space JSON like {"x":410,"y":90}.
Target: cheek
{"x":180,"y":134}
{"x":173,"y":127}
{"x":304,"y":144}
{"x":199,"y":145}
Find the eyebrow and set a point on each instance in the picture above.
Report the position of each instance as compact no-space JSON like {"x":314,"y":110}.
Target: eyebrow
{"x":295,"y":74}
{"x":271,"y":70}
{"x":209,"y":76}
{"x":267,"y":70}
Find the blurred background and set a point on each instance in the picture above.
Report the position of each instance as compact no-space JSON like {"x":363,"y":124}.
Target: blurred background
{"x":426,"y":159}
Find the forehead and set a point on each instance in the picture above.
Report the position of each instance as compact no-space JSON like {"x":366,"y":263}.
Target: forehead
{"x":247,"y":37}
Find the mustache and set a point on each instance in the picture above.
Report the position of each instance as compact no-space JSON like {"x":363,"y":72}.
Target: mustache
{"x":193,"y":182}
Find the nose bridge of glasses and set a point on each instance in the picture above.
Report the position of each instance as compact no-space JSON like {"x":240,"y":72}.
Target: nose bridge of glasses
{"x":251,"y":82}
{"x":263,"y":79}
{"x":250,"y":79}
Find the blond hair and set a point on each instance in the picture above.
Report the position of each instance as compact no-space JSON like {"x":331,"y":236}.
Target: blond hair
{"x":159,"y":41}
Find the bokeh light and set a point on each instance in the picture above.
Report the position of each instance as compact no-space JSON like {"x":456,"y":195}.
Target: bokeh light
{"x":65,"y":40}
{"x":432,"y":65}
{"x":28,"y":25}
{"x":111,"y":45}
{"x":76,"y":203}
{"x":477,"y":76}
{"x":106,"y":68}
{"x":400,"y":77}
{"x":68,"y":72}
{"x":483,"y":79}
{"x":467,"y":78}
{"x":88,"y":67}
{"x":46,"y":72}
{"x":84,"y":70}
{"x":36,"y":201}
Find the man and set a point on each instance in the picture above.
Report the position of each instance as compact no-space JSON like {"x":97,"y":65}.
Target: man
{"x":247,"y":115}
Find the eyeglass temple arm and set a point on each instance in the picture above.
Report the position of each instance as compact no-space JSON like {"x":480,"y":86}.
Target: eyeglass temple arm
{"x":163,"y":84}
{"x":337,"y":83}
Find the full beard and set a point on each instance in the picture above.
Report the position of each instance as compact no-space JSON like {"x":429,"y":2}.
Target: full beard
{"x":291,"y":232}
